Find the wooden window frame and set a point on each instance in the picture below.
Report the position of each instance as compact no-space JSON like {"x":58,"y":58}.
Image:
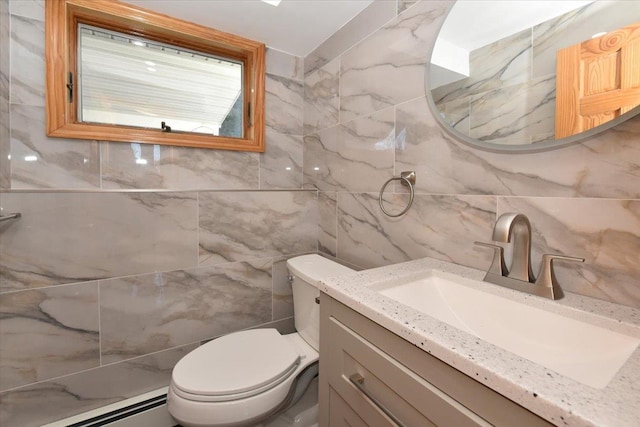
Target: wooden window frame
{"x":62,"y":18}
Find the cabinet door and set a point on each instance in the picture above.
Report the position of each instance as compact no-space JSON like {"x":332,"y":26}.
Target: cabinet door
{"x":418,"y":388}
{"x":385,"y":392}
{"x":341,"y":414}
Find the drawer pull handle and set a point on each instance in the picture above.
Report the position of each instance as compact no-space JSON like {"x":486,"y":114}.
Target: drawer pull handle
{"x":358,"y":381}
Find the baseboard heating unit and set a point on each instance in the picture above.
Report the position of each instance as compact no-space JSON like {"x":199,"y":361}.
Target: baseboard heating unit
{"x":146,"y":410}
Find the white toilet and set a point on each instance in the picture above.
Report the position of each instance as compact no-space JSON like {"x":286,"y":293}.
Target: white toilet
{"x":245,"y":377}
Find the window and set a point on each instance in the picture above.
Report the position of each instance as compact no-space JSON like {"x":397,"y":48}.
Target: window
{"x":119,"y":73}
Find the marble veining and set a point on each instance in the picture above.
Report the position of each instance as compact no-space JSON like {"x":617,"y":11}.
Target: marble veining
{"x":242,"y":226}
{"x":387,"y":68}
{"x":152,"y":312}
{"x":367,"y":21}
{"x":33,"y":9}
{"x":327,"y":222}
{"x":48,"y":333}
{"x":75,"y":237}
{"x":284,"y":64}
{"x":41,"y":162}
{"x":27,"y":61}
{"x":281,"y":163}
{"x":606,"y":232}
{"x":405,"y":4}
{"x":550,"y":395}
{"x":439,"y":227}
{"x":47,"y":401}
{"x":5,"y":60}
{"x":321,"y":99}
{"x":354,"y":156}
{"x":517,"y":114}
{"x":606,"y":165}
{"x":283,"y":104}
{"x":503,"y":63}
{"x":148,"y":166}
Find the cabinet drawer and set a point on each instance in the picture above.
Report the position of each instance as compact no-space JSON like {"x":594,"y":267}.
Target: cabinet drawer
{"x":383,"y":391}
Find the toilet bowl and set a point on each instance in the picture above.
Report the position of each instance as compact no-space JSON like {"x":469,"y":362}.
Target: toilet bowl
{"x":245,"y":377}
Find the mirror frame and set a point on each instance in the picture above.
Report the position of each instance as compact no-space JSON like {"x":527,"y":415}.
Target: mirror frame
{"x":510,"y":149}
{"x":62,"y":18}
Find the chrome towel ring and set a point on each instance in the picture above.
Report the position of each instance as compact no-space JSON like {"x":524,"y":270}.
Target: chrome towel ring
{"x":408,"y":179}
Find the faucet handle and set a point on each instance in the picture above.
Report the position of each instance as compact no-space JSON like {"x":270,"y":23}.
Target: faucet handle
{"x":498,"y":266}
{"x":547,"y":276}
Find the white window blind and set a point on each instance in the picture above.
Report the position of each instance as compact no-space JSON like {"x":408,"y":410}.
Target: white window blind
{"x":137,"y":82}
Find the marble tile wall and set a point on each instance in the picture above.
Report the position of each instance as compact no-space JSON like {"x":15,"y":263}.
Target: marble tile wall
{"x":5,"y":37}
{"x":582,"y":200}
{"x":118,"y":269}
{"x":367,"y":21}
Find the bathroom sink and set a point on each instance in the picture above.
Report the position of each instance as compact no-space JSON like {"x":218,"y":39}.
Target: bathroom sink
{"x":584,"y":352}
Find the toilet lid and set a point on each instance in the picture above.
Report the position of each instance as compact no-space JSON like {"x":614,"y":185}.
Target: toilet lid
{"x":236,"y":363}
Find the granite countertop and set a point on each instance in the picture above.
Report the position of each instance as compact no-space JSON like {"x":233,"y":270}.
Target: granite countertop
{"x":554,"y":397}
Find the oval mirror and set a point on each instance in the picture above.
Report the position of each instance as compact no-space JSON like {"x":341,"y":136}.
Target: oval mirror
{"x":550,"y":74}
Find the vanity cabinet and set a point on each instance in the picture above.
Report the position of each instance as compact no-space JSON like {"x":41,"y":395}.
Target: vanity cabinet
{"x":371,"y":377}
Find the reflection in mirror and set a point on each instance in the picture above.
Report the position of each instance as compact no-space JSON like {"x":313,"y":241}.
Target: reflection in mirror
{"x":131,"y":81}
{"x":495,"y":85}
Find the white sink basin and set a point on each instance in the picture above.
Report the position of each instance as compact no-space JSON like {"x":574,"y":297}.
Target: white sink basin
{"x":589,"y":354}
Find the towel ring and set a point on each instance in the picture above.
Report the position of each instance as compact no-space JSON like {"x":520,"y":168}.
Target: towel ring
{"x":408,"y":179}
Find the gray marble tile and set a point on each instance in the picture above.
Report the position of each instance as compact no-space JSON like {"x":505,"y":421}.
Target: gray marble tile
{"x":247,"y":225}
{"x":441,"y":227}
{"x":5,"y":60}
{"x":321,"y":98}
{"x":606,"y":165}
{"x":366,"y":22}
{"x":48,"y":333}
{"x":355,"y":156}
{"x":388,"y":67}
{"x":76,"y":237}
{"x":284,"y":105}
{"x":144,"y":314}
{"x":41,"y":162}
{"x":405,"y":4}
{"x":33,"y":9}
{"x":27,"y":61}
{"x":577,"y":26}
{"x":45,"y":402}
{"x":132,"y":165}
{"x":515,"y":115}
{"x":281,"y":163}
{"x":456,"y":114}
{"x":605,"y":232}
{"x":504,"y":63}
{"x":327,"y":222}
{"x":284,"y":64}
{"x":284,"y":326}
{"x":282,"y":292}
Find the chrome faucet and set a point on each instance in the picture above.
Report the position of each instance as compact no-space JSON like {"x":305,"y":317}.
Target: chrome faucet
{"x":515,"y":228}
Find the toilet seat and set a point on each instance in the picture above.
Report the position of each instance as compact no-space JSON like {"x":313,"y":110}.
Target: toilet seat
{"x":194,"y":410}
{"x":235,"y":366}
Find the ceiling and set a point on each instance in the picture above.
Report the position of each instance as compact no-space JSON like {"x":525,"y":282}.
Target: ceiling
{"x":487,"y":21}
{"x":295,"y":26}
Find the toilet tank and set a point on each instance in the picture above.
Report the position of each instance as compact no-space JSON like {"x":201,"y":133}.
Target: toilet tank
{"x":307,"y":271}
